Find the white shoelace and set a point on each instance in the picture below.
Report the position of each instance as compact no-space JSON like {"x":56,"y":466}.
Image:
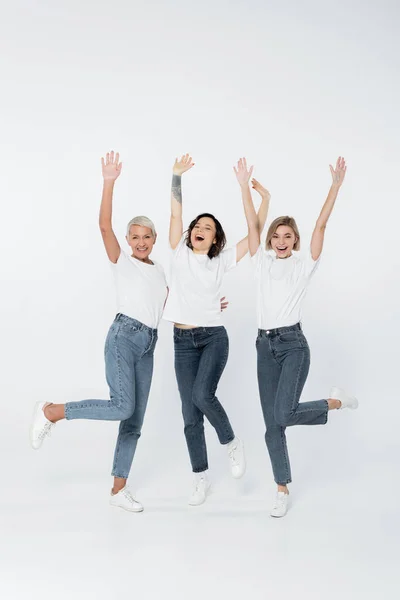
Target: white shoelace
{"x":279,"y":501}
{"x":129,"y":496}
{"x":46,"y":431}
{"x":232,"y":455}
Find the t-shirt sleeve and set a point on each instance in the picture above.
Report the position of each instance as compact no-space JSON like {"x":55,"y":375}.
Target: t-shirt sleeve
{"x":122,"y":258}
{"x":310,"y":265}
{"x":180,"y":246}
{"x":228,"y":258}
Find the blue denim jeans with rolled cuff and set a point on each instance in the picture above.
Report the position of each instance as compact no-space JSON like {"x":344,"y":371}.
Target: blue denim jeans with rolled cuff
{"x":201,"y":354}
{"x":283,"y":362}
{"x":129,"y":351}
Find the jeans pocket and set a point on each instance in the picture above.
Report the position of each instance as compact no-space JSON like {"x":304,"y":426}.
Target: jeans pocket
{"x":289,"y":337}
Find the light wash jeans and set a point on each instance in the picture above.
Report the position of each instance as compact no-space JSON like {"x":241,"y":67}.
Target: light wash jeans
{"x":128,"y":352}
{"x":283,"y":362}
{"x":201,"y":354}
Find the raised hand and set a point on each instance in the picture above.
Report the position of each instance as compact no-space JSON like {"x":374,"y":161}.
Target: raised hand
{"x":111,"y":167}
{"x":339,"y":172}
{"x":182,"y":165}
{"x":242,"y":173}
{"x":256,"y":185}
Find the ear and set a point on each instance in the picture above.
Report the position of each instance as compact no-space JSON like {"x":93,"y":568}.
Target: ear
{"x":155,"y":239}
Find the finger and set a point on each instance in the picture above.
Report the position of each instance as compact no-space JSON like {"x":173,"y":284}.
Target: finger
{"x":117,"y":158}
{"x":332,"y":170}
{"x":120,"y":167}
{"x":107,"y":158}
{"x":112,"y":156}
{"x":102,"y":162}
{"x":223,"y":298}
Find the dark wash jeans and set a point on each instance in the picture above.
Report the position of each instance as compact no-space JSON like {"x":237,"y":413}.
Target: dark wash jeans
{"x":128,"y":353}
{"x":283,"y":362}
{"x":200,"y":358}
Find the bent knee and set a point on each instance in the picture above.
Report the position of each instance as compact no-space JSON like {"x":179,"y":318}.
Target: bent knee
{"x":283,"y":419}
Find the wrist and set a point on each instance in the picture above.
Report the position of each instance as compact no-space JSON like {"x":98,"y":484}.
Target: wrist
{"x":108,"y":181}
{"x":176,"y":174}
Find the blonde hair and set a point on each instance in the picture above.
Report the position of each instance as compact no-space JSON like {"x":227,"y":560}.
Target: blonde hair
{"x":289,"y":222}
{"x":143,"y":222}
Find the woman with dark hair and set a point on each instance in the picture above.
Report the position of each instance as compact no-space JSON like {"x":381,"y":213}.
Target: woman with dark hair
{"x":283,"y":355}
{"x":199,"y":264}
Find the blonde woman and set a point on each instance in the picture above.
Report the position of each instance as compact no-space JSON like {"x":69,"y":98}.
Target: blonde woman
{"x":283,"y":354}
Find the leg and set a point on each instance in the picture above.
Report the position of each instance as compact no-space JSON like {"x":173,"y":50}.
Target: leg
{"x":130,"y":429}
{"x":268,"y":372}
{"x":120,"y":374}
{"x":187,"y":359}
{"x":214,"y":346}
{"x":288,"y":410}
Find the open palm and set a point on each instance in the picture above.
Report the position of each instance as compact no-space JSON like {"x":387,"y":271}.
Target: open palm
{"x":242,"y":173}
{"x":111,"y":166}
{"x":183,"y":165}
{"x":339,"y":171}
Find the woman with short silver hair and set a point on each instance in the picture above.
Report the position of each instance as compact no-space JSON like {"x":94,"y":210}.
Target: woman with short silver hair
{"x":141,"y":294}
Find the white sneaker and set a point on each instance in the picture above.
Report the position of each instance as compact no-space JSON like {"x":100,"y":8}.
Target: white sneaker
{"x":40,"y":426}
{"x":124,"y":499}
{"x":281,"y":505}
{"x":237,"y":458}
{"x":346,"y":400}
{"x":201,"y":488}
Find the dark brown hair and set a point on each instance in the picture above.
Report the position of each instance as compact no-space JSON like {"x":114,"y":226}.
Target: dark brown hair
{"x":220,"y":237}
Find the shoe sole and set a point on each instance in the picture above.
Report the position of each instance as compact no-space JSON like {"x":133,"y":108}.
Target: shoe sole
{"x":208,"y":492}
{"x":132,"y":510}
{"x":38,"y":406}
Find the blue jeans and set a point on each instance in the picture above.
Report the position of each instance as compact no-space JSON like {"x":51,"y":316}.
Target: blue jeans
{"x":128,"y":352}
{"x":200,"y":358}
{"x":283,"y":362}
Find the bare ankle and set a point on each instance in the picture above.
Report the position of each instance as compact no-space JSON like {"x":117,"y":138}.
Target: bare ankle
{"x":283,"y":488}
{"x":119,"y":484}
{"x":334,"y":404}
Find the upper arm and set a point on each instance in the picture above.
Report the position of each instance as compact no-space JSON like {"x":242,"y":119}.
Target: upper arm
{"x":111,"y":244}
{"x":317,"y":241}
{"x":242,"y":248}
{"x":254,"y":240}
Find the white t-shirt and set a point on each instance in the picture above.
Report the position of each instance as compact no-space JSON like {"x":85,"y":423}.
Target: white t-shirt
{"x":195,"y":284}
{"x":141,"y":289}
{"x":281,"y":287}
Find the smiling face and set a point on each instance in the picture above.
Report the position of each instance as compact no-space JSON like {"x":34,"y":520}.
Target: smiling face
{"x":283,"y":241}
{"x":141,"y":241}
{"x":202,"y":236}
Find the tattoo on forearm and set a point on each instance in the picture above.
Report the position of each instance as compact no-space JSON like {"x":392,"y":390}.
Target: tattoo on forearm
{"x":176,"y":189}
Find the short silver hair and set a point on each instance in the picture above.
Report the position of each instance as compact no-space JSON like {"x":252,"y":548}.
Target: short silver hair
{"x":143,"y":222}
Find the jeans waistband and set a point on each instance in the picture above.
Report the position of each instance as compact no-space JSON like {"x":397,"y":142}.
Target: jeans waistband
{"x":278,"y":330}
{"x":180,"y":331}
{"x":129,"y":321}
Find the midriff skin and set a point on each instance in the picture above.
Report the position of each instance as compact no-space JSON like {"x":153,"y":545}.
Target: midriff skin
{"x":181,"y":326}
